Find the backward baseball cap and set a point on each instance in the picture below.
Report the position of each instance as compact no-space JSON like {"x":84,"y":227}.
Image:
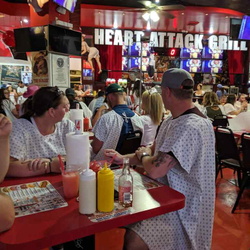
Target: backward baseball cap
{"x":113,"y":88}
{"x":173,"y":78}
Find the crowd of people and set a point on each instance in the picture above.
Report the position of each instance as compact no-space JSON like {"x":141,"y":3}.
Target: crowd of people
{"x":178,"y":149}
{"x":220,"y":102}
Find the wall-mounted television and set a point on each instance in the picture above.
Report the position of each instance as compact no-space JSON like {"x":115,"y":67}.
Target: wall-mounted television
{"x":124,"y":63}
{"x":64,"y":40}
{"x":190,"y":53}
{"x":18,"y":55}
{"x":171,"y":52}
{"x":212,"y":66}
{"x":244,"y":33}
{"x":208,"y":53}
{"x":30,"y":39}
{"x":235,"y":24}
{"x":191,"y":65}
{"x":67,"y":4}
{"x":53,"y":38}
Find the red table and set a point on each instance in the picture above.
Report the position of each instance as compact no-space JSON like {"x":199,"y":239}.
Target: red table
{"x":65,"y":224}
{"x":239,"y":133}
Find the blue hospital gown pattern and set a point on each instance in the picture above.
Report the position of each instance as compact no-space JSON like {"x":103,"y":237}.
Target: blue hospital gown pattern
{"x":191,"y":139}
{"x":26,"y":142}
{"x":108,"y":129}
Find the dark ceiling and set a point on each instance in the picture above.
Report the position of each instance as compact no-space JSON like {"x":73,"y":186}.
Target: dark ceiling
{"x":238,"y":5}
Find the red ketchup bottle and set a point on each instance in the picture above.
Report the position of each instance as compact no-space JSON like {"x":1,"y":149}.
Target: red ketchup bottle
{"x":86,"y":124}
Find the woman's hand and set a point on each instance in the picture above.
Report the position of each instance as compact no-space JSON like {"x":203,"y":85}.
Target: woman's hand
{"x":38,"y":164}
{"x":5,"y":126}
{"x":113,"y":156}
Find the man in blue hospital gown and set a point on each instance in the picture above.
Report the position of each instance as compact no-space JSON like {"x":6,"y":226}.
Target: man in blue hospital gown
{"x":183,"y":157}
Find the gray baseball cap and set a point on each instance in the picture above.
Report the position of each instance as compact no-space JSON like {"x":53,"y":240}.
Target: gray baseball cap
{"x":173,"y":78}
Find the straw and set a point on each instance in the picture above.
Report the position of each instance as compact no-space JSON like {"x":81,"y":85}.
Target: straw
{"x":61,"y":164}
{"x":112,"y":159}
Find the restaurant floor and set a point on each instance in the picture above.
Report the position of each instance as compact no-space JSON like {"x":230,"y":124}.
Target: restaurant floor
{"x":231,"y":231}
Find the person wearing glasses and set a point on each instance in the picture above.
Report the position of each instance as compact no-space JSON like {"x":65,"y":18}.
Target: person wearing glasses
{"x":39,"y":136}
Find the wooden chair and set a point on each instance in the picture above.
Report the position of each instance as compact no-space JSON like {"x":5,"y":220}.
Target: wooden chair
{"x":245,"y":149}
{"x":131,"y":142}
{"x":227,"y":152}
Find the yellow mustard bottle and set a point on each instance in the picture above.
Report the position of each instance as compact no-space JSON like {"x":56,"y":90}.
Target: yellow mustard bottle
{"x":105,"y":189}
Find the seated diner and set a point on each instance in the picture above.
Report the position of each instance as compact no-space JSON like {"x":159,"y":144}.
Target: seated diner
{"x":39,"y":136}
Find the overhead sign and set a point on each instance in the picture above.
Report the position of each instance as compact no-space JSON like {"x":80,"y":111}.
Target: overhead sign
{"x":167,"y":39}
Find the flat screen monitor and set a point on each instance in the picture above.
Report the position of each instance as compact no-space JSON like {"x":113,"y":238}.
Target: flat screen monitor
{"x":134,"y":50}
{"x":191,"y":65}
{"x":134,"y":62}
{"x":67,"y":4}
{"x":124,"y":63}
{"x":30,"y":39}
{"x":18,"y":55}
{"x":87,"y":72}
{"x":190,"y":53}
{"x":64,"y":40}
{"x":235,"y":24}
{"x":212,"y":66}
{"x":125,"y":50}
{"x":171,"y":52}
{"x":244,"y":33}
{"x":208,"y":53}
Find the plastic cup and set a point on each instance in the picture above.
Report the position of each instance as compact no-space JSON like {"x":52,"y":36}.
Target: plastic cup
{"x":70,"y":184}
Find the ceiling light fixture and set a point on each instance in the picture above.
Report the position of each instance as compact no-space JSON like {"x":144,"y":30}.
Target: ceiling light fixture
{"x":152,"y":15}
{"x":148,"y":25}
{"x":25,"y":20}
{"x":146,"y":16}
{"x":157,"y":1}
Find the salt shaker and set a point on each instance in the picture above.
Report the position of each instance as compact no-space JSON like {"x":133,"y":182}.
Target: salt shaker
{"x":87,"y":192}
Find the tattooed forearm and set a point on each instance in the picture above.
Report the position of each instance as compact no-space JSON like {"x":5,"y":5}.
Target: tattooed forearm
{"x":163,"y":158}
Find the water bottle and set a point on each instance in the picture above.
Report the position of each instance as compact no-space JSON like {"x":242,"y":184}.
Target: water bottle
{"x":126,"y":185}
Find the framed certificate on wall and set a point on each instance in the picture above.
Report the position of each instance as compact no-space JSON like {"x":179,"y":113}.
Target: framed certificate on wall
{"x":60,"y":73}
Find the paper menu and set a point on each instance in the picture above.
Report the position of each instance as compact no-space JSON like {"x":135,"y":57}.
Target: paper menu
{"x":35,"y":197}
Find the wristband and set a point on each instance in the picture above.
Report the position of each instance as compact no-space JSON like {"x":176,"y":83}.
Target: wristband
{"x":143,"y":155}
{"x":50,"y":161}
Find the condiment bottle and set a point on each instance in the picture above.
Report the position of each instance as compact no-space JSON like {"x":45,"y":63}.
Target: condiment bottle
{"x":87,"y":192}
{"x":105,"y":189}
{"x":86,"y":124}
{"x":125,"y":184}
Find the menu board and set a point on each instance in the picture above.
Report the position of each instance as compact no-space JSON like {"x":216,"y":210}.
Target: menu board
{"x":35,"y":197}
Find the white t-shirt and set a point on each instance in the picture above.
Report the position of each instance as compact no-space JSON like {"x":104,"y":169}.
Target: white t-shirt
{"x":149,"y":132}
{"x":21,"y":99}
{"x":191,"y":139}
{"x":228,"y":108}
{"x":26,"y":142}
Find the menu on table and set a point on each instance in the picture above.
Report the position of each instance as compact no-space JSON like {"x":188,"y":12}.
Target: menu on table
{"x":35,"y":197}
{"x":140,"y":182}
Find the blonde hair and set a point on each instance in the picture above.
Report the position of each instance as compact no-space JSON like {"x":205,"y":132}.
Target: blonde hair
{"x":153,"y":106}
{"x":210,"y":99}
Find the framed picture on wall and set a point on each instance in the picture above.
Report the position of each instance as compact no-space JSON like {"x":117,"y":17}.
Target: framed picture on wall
{"x":59,"y":70}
